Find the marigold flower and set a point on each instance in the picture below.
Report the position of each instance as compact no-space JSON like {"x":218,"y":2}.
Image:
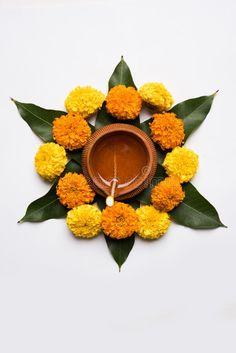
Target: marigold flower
{"x":156,"y":94}
{"x":71,"y":131}
{"x":73,"y":190}
{"x":167,"y":130}
{"x":119,"y":221}
{"x":152,"y":223}
{"x":181,"y":162}
{"x":84,"y":100}
{"x":50,"y":160}
{"x":167,"y":194}
{"x":123,"y":103}
{"x":84,"y":221}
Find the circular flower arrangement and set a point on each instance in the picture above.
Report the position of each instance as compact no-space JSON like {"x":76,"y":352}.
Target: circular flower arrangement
{"x":169,"y":197}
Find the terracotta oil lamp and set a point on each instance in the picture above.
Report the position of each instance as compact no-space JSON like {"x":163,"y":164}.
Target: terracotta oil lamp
{"x":119,"y":161}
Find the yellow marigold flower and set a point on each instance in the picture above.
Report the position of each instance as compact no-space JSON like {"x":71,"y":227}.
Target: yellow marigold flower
{"x":181,"y":162}
{"x":119,"y":221}
{"x":84,"y":221}
{"x":123,"y":103}
{"x":167,"y":130}
{"x":84,"y":100}
{"x":50,"y":160}
{"x":167,"y":194}
{"x":152,"y":223}
{"x":71,"y":131}
{"x":156,"y":94}
{"x":73,"y":190}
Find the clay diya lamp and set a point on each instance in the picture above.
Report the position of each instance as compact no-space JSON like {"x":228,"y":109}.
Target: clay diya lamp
{"x":119,"y":161}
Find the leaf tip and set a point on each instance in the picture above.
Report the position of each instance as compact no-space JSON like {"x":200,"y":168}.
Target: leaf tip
{"x":20,"y":221}
{"x":122,"y":57}
{"x":12,"y":99}
{"x":215,"y":93}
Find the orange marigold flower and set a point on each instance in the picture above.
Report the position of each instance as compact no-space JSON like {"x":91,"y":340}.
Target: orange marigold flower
{"x":167,"y":194}
{"x":73,"y":190}
{"x":71,"y":131}
{"x":119,"y":221}
{"x":123,"y":103}
{"x":167,"y":130}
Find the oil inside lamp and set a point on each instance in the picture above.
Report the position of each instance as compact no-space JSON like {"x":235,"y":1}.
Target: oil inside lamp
{"x":119,"y":161}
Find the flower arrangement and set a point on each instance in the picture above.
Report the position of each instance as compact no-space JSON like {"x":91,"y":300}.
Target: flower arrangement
{"x":169,"y":197}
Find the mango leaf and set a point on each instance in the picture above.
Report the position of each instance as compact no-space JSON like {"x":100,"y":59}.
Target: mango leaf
{"x":161,"y":155}
{"x":103,"y":118}
{"x":48,"y":206}
{"x":120,"y":248}
{"x":195,"y":211}
{"x":75,"y":155}
{"x":39,"y":119}
{"x":73,"y":167}
{"x":145,"y":126}
{"x":193,"y":112}
{"x":145,"y":195}
{"x":101,"y":202}
{"x":132,"y":202}
{"x":121,"y":76}
{"x":92,"y":127}
{"x":45,"y":207}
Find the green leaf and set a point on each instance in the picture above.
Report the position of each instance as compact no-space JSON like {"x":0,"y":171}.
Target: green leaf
{"x":121,"y":76}
{"x":161,"y":155}
{"x":193,"y":112}
{"x":101,"y":202}
{"x":75,"y":155}
{"x":49,"y":206}
{"x":145,"y":126}
{"x":73,"y":167}
{"x":103,"y":118}
{"x":145,"y":195}
{"x":132,"y":202}
{"x":92,"y":127}
{"x":195,"y":211}
{"x":39,"y":119}
{"x":120,"y":248}
{"x":45,"y":207}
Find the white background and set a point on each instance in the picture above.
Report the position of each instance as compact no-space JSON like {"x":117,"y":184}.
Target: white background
{"x":59,"y":294}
